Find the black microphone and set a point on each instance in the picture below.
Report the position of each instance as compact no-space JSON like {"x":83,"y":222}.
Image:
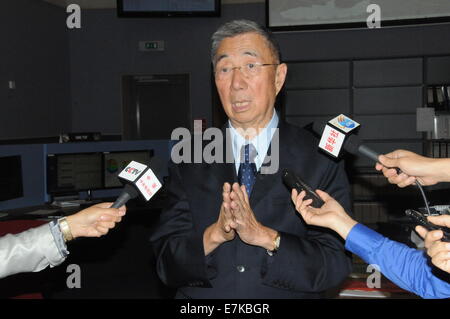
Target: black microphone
{"x":294,"y":181}
{"x":139,"y":179}
{"x":352,"y":143}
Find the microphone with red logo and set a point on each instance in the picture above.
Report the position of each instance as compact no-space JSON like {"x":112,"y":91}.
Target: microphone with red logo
{"x":139,"y":179}
{"x":335,"y":136}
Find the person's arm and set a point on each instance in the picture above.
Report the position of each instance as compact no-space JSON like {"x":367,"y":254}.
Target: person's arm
{"x":428,"y":171}
{"x":178,"y":246}
{"x":43,"y":246}
{"x":406,"y":267}
{"x":316,"y":260}
{"x":31,"y":250}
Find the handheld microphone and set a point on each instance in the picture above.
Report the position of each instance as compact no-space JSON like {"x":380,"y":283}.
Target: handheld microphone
{"x":139,"y":179}
{"x":352,"y":143}
{"x":294,"y":181}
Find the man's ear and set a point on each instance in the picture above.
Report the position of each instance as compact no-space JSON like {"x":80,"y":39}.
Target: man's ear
{"x":280,"y":76}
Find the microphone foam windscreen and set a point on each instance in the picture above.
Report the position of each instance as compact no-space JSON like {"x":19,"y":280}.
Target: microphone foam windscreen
{"x":351,"y":144}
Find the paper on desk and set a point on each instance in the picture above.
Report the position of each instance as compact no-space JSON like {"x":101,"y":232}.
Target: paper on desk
{"x":364,"y":293}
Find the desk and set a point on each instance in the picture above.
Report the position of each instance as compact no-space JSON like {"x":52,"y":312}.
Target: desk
{"x":118,"y":265}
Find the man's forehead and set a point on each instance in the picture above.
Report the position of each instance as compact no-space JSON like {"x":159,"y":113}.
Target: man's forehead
{"x":247,"y":44}
{"x":243,"y":53}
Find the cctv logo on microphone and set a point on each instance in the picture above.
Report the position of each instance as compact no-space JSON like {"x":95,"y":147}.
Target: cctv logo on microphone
{"x":132,"y":171}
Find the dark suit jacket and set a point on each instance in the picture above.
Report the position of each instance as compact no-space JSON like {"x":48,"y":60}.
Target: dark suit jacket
{"x":310,"y":259}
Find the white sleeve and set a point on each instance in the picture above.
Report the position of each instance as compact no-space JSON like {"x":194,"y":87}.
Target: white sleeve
{"x":31,"y":250}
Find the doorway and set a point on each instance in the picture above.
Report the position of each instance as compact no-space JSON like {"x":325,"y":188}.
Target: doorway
{"x":154,"y":105}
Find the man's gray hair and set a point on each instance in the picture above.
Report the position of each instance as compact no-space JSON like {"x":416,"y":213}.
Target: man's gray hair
{"x":237,"y":27}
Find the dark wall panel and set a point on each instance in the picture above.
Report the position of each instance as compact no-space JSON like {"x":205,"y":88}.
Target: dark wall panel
{"x":387,"y":100}
{"x":438,"y":70}
{"x":388,"y":127}
{"x":313,"y":102}
{"x":388,"y":72}
{"x":318,"y":75}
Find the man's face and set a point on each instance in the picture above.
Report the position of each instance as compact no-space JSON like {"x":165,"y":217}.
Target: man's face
{"x":248,"y":101}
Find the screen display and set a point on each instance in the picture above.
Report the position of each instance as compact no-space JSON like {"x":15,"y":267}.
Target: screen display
{"x":115,"y":162}
{"x":307,"y":13}
{"x":130,"y":8}
{"x":11,"y":184}
{"x":74,"y":172}
{"x":169,"y":5}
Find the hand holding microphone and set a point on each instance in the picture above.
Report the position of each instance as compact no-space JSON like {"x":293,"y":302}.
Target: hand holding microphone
{"x":393,"y":164}
{"x":414,"y":167}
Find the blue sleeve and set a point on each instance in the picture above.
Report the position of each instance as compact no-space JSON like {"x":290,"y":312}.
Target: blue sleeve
{"x":405,"y":266}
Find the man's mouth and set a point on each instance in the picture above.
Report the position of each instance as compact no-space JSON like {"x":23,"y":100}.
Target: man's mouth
{"x":240,"y":105}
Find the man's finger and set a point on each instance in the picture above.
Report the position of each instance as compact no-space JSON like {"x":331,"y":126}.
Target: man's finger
{"x":106,"y":224}
{"x":443,"y":220}
{"x":421,"y":231}
{"x":432,"y":237}
{"x":244,"y":192}
{"x":441,"y":259}
{"x":408,"y":181}
{"x":237,"y":189}
{"x":323,"y":195}
{"x":437,"y":247}
{"x":387,"y":161}
{"x":299,"y":200}
{"x":102,"y":230}
{"x":294,"y":195}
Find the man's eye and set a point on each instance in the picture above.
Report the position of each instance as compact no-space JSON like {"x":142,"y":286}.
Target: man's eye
{"x":251,"y":66}
{"x":224,"y":70}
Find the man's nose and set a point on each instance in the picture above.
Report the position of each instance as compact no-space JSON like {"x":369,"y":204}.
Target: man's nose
{"x":238,"y":80}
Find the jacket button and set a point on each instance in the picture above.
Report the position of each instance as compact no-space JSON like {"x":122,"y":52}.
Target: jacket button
{"x":240,"y":268}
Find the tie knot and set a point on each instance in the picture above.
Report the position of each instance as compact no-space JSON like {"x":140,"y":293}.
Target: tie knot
{"x":248,"y":153}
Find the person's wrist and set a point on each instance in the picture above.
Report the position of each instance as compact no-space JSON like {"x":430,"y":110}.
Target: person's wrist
{"x":441,"y":169}
{"x":216,"y":235}
{"x":269,"y":238}
{"x":344,"y":225}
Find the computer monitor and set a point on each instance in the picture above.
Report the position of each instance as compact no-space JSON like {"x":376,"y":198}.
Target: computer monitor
{"x":11,"y":183}
{"x":166,"y":8}
{"x":75,"y":172}
{"x":115,"y":162}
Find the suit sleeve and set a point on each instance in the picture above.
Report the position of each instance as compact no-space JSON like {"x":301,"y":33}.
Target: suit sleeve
{"x":31,"y":250}
{"x":180,"y":259}
{"x":317,"y":261}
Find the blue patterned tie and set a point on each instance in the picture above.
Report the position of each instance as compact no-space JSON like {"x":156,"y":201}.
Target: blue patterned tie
{"x":247,"y":168}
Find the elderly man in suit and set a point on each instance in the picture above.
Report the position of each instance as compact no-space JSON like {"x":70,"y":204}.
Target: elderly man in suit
{"x":219,"y":239}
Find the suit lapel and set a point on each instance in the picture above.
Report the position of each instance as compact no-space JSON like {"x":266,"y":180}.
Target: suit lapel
{"x":225,"y":172}
{"x":265,"y":182}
